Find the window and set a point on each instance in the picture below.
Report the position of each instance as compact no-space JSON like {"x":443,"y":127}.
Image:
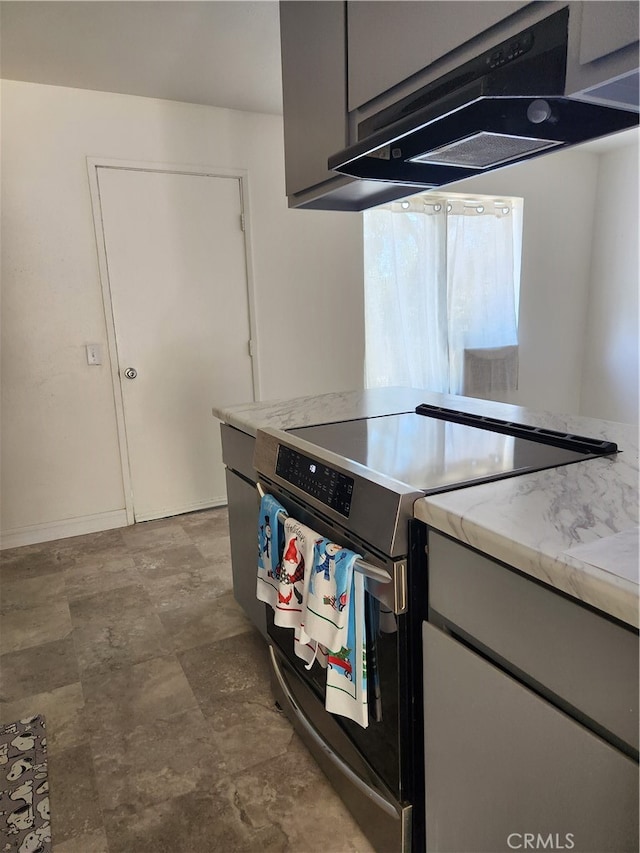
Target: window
{"x":442,"y":284}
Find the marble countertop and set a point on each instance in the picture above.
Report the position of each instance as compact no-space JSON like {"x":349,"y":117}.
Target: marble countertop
{"x":320,"y":409}
{"x":574,"y":527}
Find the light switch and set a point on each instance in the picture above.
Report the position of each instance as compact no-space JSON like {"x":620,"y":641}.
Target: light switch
{"x":94,"y":354}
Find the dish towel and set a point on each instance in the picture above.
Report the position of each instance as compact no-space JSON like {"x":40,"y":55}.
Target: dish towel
{"x":270,"y":548}
{"x":335,"y":617}
{"x":297,"y":563}
{"x":294,"y":577}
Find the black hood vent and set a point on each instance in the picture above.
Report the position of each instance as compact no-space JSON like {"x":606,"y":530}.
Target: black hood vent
{"x":504,"y":106}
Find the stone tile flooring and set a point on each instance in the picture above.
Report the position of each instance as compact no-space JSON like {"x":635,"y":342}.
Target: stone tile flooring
{"x":162,"y":731}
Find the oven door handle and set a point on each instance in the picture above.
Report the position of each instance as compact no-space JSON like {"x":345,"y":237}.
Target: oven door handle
{"x":367,"y":569}
{"x":378,"y":799}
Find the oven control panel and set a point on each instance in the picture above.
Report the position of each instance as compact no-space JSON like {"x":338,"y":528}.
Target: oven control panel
{"x":327,"y":485}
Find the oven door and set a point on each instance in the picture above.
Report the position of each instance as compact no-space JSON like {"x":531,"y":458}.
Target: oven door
{"x":364,"y":765}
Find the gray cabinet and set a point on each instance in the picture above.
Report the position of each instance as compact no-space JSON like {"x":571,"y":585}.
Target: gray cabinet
{"x":603,"y":52}
{"x":313,"y":35}
{"x":391,"y":40}
{"x":313,"y":86}
{"x":501,"y":762}
{"x":588,"y":662}
{"x":530,"y":713}
{"x":243,"y":503}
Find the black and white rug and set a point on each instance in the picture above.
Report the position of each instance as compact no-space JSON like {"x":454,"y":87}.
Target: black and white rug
{"x":24,"y":789}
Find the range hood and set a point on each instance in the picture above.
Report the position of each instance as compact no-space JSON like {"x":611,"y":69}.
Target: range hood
{"x":506,"y":105}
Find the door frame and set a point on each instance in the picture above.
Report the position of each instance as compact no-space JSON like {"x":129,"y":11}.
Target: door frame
{"x":93,"y":164}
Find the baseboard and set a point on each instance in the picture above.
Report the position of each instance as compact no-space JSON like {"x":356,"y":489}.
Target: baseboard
{"x":52,"y":530}
{"x":167,"y":512}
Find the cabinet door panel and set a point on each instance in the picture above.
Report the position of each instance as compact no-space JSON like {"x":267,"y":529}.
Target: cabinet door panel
{"x":501,"y":762}
{"x":389,"y":40}
{"x":313,"y":88}
{"x":243,"y":519}
{"x":602,"y":63}
{"x":607,"y":27}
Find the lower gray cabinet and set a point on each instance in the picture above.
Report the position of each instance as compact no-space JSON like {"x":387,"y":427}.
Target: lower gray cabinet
{"x":587,"y":662}
{"x":506,"y":770}
{"x":243,"y":521}
{"x":530,"y":713}
{"x":243,"y":504}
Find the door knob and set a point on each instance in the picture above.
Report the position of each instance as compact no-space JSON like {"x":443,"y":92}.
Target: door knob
{"x":131,"y":373}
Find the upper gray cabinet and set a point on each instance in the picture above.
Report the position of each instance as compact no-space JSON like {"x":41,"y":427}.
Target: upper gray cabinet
{"x":314,"y":72}
{"x":602,"y":63}
{"x":391,"y":40}
{"x":347,"y":65}
{"x":313,"y":36}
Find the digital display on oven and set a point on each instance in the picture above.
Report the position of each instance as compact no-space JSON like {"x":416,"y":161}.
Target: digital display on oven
{"x":316,"y":479}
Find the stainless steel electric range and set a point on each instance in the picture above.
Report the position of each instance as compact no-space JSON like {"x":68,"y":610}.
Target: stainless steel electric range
{"x":356,"y":483}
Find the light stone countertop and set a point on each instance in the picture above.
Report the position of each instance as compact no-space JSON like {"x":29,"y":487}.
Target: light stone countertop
{"x":531,"y":521}
{"x":321,"y":409}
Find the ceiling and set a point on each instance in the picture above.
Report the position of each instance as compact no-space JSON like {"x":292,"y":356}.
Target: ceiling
{"x":222,"y":53}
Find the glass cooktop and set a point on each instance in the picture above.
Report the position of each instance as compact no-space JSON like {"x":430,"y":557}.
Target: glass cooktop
{"x":432,"y":454}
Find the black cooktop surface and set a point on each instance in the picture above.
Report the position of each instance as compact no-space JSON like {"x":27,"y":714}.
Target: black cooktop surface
{"x":433,"y":454}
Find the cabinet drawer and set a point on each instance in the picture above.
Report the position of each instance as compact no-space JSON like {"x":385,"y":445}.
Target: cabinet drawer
{"x":501,"y":762}
{"x":583,"y":659}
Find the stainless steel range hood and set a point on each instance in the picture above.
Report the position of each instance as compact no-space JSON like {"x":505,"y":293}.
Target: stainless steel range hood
{"x":506,"y":105}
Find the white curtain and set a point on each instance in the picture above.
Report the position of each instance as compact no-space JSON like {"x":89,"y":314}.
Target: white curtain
{"x":441,"y":276}
{"x":405,"y":296}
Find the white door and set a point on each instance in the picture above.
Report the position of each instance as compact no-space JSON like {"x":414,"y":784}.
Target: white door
{"x":175,"y":256}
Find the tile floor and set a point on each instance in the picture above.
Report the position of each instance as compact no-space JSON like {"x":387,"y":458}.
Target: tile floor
{"x":162,"y":731}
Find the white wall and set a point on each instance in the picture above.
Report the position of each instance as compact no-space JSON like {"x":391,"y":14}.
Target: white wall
{"x":610,"y":372}
{"x":559,"y":193}
{"x":579,"y":284}
{"x":60,"y":458}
